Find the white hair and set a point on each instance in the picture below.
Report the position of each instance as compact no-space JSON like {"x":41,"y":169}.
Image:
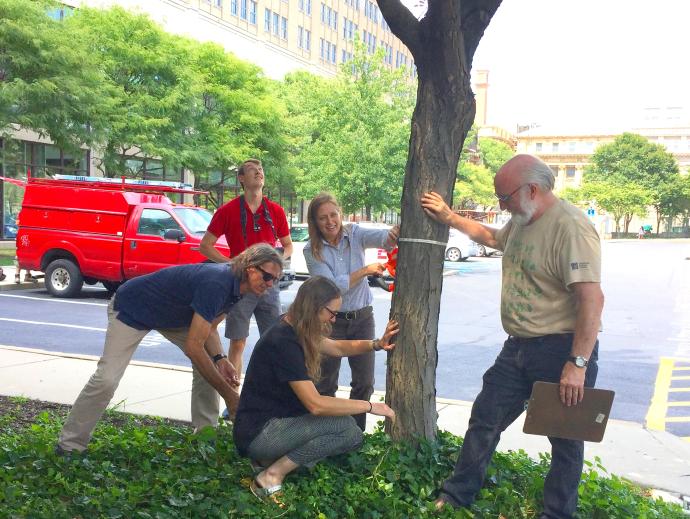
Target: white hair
{"x":539,"y":173}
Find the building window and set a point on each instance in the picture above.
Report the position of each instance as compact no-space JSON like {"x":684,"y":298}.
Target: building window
{"x":243,"y":9}
{"x":267,"y":20}
{"x":554,"y":147}
{"x":554,"y":170}
{"x":300,"y":36}
{"x":307,"y":40}
{"x":328,"y":51}
{"x":60,"y":13}
{"x":252,"y":12}
{"x":571,"y":147}
{"x":570,"y":172}
{"x":283,"y":28}
{"x":538,"y":147}
{"x":276,"y":23}
{"x":233,"y":7}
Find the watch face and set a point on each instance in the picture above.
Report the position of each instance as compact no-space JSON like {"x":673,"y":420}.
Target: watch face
{"x":580,"y":362}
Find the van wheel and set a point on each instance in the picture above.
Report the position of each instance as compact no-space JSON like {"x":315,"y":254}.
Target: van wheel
{"x":63,"y":278}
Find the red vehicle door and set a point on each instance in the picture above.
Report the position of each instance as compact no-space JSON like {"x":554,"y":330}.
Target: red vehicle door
{"x":145,"y":248}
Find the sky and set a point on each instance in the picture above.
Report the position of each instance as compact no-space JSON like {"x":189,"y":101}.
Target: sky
{"x":584,"y":62}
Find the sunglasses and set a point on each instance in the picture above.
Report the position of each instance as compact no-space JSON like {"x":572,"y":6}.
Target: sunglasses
{"x":333,"y":314}
{"x":505,"y":198}
{"x":266,"y":276}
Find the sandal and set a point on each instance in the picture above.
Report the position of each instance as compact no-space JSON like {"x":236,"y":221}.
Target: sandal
{"x":256,"y":466}
{"x":267,"y":494}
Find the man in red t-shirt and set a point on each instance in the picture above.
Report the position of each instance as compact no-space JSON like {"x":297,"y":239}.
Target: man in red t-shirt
{"x":248,"y":219}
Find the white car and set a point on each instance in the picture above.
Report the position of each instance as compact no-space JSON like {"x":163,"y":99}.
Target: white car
{"x":300,"y":236}
{"x":459,"y":246}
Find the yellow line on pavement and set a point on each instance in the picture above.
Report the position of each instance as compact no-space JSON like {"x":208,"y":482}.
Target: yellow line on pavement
{"x":656,"y":415}
{"x":679,"y":390}
{"x":678,"y":419}
{"x":678,"y":404}
{"x":686,"y":438}
{"x":684,"y":368}
{"x":683,"y":377}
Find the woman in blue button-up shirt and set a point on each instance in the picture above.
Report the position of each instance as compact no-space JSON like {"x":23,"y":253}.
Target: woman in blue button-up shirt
{"x":336,"y":251}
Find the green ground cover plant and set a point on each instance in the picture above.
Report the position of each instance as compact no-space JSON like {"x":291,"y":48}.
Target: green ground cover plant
{"x":7,"y":256}
{"x":143,"y":467}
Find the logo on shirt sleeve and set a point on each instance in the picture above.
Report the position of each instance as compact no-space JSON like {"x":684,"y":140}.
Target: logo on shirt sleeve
{"x":579,"y":266}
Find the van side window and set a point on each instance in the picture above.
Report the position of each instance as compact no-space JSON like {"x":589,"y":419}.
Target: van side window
{"x":155,"y":222}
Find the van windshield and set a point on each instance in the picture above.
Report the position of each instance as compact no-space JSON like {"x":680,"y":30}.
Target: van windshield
{"x":195,"y":219}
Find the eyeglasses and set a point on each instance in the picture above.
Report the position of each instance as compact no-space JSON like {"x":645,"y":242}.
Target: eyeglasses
{"x":266,"y":276}
{"x":333,"y":314}
{"x":505,"y":198}
{"x":257,"y":223}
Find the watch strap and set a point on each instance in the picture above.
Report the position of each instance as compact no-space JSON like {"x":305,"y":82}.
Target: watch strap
{"x":574,"y":360}
{"x":218,"y":356}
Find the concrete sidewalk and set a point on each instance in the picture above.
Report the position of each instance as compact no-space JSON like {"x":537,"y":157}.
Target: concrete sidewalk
{"x":658,"y":460}
{"x":9,"y":283}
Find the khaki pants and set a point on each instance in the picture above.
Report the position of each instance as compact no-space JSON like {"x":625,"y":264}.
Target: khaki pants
{"x":120,"y":343}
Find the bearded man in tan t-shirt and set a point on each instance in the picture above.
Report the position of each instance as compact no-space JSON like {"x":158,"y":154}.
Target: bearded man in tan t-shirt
{"x":551,"y":303}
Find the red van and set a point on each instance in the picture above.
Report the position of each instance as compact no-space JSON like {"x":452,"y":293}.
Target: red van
{"x":88,"y":229}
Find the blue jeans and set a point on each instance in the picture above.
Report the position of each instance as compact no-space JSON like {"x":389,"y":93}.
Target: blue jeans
{"x":507,"y":385}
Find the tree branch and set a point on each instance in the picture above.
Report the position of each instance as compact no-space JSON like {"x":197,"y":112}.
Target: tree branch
{"x":402,"y":23}
{"x":475,"y":16}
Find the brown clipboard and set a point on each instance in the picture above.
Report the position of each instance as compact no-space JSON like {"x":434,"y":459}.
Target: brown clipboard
{"x":548,"y":416}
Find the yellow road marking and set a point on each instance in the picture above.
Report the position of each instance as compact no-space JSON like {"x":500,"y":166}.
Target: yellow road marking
{"x":678,"y":419}
{"x":683,"y":377}
{"x":656,"y":415}
{"x":679,"y":390}
{"x":686,"y":438}
{"x":683,"y":368}
{"x":678,"y":404}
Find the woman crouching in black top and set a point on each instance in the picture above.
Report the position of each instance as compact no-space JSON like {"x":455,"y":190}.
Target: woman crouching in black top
{"x":282,"y":422}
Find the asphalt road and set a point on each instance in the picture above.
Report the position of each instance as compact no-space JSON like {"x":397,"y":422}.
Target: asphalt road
{"x":646,"y":317}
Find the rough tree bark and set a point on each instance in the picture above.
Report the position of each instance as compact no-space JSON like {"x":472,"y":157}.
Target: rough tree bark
{"x":442,"y":43}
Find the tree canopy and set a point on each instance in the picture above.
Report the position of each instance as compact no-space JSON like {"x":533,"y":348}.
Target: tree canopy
{"x":116,"y":81}
{"x":50,"y":82}
{"x":351,"y":132}
{"x":628,"y":175}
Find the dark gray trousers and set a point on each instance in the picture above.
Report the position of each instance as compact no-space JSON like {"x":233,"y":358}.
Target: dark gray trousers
{"x":362,"y":366}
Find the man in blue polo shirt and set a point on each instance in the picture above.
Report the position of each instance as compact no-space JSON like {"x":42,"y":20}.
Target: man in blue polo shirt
{"x":185,"y":304}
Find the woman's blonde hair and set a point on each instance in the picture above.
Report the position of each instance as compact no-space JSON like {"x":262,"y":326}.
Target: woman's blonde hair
{"x":315,"y":236}
{"x":303,"y":314}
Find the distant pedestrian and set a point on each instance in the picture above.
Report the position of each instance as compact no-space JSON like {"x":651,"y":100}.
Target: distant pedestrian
{"x":28,"y":277}
{"x":640,"y":233}
{"x":551,"y":305}
{"x":185,"y":304}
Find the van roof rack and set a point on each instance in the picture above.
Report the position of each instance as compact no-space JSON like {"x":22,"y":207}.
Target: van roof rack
{"x":123,"y":184}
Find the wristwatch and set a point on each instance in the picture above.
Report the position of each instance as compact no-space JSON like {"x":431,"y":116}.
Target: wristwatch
{"x":579,"y":361}
{"x":217,"y":357}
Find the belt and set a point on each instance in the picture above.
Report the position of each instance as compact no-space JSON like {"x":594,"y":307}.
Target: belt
{"x":351,"y":315}
{"x":540,"y":337}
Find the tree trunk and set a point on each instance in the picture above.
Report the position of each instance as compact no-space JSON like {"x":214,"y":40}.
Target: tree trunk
{"x":443,"y":44}
{"x":626,"y":222}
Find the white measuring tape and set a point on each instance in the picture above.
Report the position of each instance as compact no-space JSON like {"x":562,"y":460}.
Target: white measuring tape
{"x":420,"y":240}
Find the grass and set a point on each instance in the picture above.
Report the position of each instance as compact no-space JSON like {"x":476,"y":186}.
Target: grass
{"x":151,"y":468}
{"x":7,"y":256}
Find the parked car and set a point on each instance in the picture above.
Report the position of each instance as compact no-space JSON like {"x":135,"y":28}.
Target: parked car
{"x":460,"y":246}
{"x":483,"y":250}
{"x":9,"y":227}
{"x":300,"y":236}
